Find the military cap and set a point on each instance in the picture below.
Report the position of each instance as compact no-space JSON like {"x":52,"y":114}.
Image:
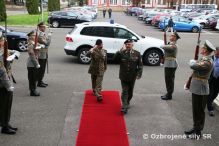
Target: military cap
{"x":99,"y":42}
{"x":31,"y":33}
{"x":209,"y":46}
{"x":41,"y":24}
{"x":128,"y":41}
{"x":176,"y":34}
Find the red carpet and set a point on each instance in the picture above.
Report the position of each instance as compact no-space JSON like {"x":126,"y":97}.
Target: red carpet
{"x":102,"y":124}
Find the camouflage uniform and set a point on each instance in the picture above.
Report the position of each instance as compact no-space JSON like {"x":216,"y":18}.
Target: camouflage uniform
{"x":97,"y":68}
{"x":200,"y":89}
{"x":131,"y":67}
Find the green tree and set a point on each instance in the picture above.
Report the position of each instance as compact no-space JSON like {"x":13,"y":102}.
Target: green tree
{"x":3,"y":14}
{"x":32,"y":6}
{"x":53,"y":5}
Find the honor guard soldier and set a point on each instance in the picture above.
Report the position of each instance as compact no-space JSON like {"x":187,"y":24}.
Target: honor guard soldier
{"x":6,"y":94}
{"x":45,"y":40}
{"x":32,"y":64}
{"x":170,"y":65}
{"x":213,"y":83}
{"x":131,"y":68}
{"x":97,"y":67}
{"x":200,"y":88}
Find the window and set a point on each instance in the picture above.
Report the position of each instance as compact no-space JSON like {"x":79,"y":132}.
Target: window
{"x":62,"y":14}
{"x":72,"y":15}
{"x":125,"y":2}
{"x":159,"y":2}
{"x":98,"y":31}
{"x":148,"y":1}
{"x":113,"y":2}
{"x":122,"y":33}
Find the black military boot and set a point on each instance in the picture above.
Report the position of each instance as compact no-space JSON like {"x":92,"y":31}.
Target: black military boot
{"x":44,"y":83}
{"x":13,"y":128}
{"x":99,"y":98}
{"x":166,"y":97}
{"x":191,"y":131}
{"x":41,"y":84}
{"x":7,"y":130}
{"x":124,"y":110}
{"x":34,"y":93}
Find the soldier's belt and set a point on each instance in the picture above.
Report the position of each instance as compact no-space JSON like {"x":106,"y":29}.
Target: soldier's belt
{"x":200,"y":79}
{"x":43,"y":50}
{"x":170,"y":58}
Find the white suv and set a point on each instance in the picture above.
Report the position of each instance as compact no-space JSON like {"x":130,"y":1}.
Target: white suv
{"x":83,"y":36}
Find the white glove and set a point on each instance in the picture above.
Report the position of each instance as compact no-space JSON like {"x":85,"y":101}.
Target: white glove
{"x":11,"y":89}
{"x":192,"y":62}
{"x":50,"y":34}
{"x":38,"y":66}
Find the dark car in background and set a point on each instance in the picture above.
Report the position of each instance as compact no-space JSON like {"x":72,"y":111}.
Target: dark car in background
{"x":65,"y":18}
{"x":16,"y":40}
{"x":211,"y":23}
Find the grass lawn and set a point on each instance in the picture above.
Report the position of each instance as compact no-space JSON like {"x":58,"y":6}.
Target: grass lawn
{"x":25,"y":19}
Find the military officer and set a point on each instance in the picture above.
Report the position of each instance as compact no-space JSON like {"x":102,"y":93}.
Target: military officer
{"x":97,"y":67}
{"x":6,"y":94}
{"x":32,"y":64}
{"x":45,"y":40}
{"x":170,"y":65}
{"x":131,"y":68}
{"x":200,"y":88}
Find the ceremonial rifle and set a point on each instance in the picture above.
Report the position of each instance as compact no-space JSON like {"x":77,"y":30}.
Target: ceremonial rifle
{"x":165,"y":42}
{"x":5,"y":55}
{"x":187,"y":86}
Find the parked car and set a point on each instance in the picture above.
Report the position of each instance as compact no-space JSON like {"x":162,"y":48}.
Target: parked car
{"x":211,"y":23}
{"x":181,"y":24}
{"x":16,"y":40}
{"x":65,"y":18}
{"x":203,"y":19}
{"x":83,"y":36}
{"x":156,"y":20}
{"x":149,"y":18}
{"x":217,"y":26}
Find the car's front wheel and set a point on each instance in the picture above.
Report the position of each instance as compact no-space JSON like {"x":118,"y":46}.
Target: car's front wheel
{"x":22,"y":45}
{"x":82,"y":56}
{"x":195,"y":29}
{"x":55,"y":24}
{"x":152,"y":57}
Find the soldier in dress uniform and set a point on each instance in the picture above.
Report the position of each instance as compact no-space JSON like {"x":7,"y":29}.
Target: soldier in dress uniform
{"x":6,"y":94}
{"x":131,"y":68}
{"x":170,"y":65}
{"x":44,"y":40}
{"x":97,"y":67}
{"x":200,"y":88}
{"x":32,"y":64}
{"x":213,"y":83}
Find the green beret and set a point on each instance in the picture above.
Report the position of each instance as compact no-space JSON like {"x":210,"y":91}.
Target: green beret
{"x":209,"y":46}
